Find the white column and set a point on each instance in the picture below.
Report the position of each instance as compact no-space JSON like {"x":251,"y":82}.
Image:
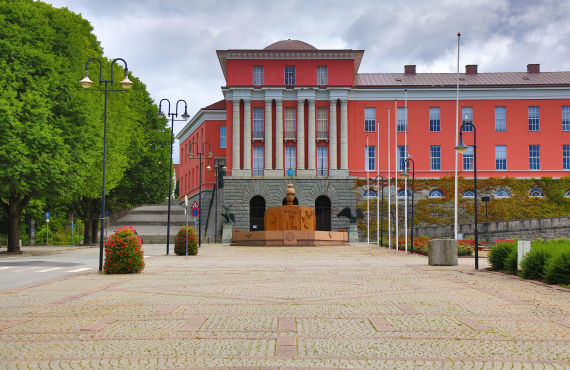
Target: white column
{"x":247,"y":134}
{"x":300,"y":134}
{"x":268,"y":136}
{"x":279,"y":134}
{"x":332,"y":136}
{"x":343,"y":134}
{"x":235,"y":136}
{"x":311,"y":136}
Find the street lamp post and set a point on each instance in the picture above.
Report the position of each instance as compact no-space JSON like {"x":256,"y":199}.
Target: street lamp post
{"x":381,"y":227}
{"x":406,"y":175}
{"x":220,"y":172}
{"x":461,"y":148}
{"x":86,"y":83}
{"x":201,"y":155}
{"x":172,"y":115}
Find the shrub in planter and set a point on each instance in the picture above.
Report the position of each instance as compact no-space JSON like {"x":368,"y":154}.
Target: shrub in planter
{"x":180,"y":246}
{"x":464,"y":249}
{"x":500,"y":252}
{"x":123,"y":252}
{"x":557,"y":269}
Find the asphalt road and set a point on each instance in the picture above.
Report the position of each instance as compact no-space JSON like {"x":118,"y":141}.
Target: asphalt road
{"x":24,"y":271}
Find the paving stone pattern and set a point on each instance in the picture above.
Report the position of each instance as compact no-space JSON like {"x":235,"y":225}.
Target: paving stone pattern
{"x":249,"y":307}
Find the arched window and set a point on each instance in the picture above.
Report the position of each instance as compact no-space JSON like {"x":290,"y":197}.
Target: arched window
{"x":295,"y":201}
{"x":536,"y":192}
{"x":436,"y":193}
{"x":370,"y":194}
{"x":402,"y":193}
{"x":323,"y":213}
{"x":256,"y":213}
{"x":469,"y":194}
{"x":567,"y":193}
{"x":502,"y":193}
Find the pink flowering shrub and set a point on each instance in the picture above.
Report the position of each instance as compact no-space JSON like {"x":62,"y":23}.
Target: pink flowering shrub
{"x":123,"y":252}
{"x":180,"y":246}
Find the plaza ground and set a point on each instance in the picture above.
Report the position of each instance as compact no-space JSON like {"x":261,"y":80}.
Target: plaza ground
{"x":324,"y":307}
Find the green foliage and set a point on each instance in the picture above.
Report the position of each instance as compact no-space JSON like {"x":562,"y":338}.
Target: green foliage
{"x":180,"y":245}
{"x":464,"y":249}
{"x":123,"y":252}
{"x":545,"y":255}
{"x":557,"y":269}
{"x":511,"y":262}
{"x":500,"y":252}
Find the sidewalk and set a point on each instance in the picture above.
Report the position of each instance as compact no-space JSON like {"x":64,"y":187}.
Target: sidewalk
{"x":42,"y":250}
{"x":322,"y":307}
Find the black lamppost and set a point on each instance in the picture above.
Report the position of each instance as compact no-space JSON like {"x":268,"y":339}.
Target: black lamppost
{"x":406,"y":175}
{"x":86,"y":83}
{"x":220,"y":173}
{"x":201,"y":155}
{"x":172,"y":115}
{"x":462,"y":148}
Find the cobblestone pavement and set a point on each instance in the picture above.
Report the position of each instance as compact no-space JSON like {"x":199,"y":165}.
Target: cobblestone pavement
{"x":248,"y":307}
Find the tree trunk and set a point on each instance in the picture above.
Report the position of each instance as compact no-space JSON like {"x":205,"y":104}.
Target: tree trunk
{"x":15,"y":208}
{"x":95,"y":228}
{"x":87,"y":230}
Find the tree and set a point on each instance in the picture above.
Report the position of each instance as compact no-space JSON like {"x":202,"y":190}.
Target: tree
{"x":42,"y":51}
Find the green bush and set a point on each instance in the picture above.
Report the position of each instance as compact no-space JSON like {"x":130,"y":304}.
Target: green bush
{"x":500,"y":252}
{"x":511,"y":262}
{"x":542,"y":255}
{"x":557,"y":269}
{"x":180,"y":246}
{"x":464,"y":249}
{"x":123,"y":252}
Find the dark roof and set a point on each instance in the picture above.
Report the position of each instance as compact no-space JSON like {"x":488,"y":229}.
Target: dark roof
{"x":367,"y":80}
{"x":290,"y":45}
{"x":219,"y":105}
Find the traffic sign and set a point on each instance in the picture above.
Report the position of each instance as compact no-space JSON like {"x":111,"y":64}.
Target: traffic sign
{"x":47,"y":214}
{"x":195,"y":212}
{"x":195,"y":205}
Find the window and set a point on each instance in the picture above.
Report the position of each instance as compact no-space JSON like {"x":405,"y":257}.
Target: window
{"x":567,"y":193}
{"x":536,"y":193}
{"x":290,"y":157}
{"x":500,"y":119}
{"x":435,"y":157}
{"x":369,"y":119}
{"x":257,"y":169}
{"x":322,"y":160}
{"x":468,"y":159}
{"x":290,"y":124}
{"x":402,"y":156}
{"x":534,"y":157}
{"x":566,"y":118}
{"x":289,"y":75}
{"x":322,"y":123}
{"x":322,"y":75}
{"x":469,"y":194}
{"x":502,"y":193}
{"x":368,"y":194}
{"x":402,"y":193}
{"x":436,"y":193}
{"x":222,"y":136}
{"x":434,"y":119}
{"x":533,"y":118}
{"x":566,"y":157}
{"x":258,"y":75}
{"x":467,"y":115}
{"x":370,"y":158}
{"x":257,"y":123}
{"x":402,"y":119}
{"x":500,"y":157}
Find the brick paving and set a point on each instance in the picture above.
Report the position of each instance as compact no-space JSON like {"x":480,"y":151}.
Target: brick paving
{"x":248,"y":307}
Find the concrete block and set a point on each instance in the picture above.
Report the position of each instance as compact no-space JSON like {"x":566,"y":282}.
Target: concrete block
{"x":227,"y":234}
{"x":523,"y":247}
{"x":442,"y":252}
{"x":353,"y":234}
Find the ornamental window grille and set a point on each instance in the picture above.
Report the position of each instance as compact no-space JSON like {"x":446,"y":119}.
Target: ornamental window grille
{"x":469,"y":194}
{"x":402,"y":193}
{"x":502,"y":193}
{"x":436,"y":193}
{"x":536,"y":192}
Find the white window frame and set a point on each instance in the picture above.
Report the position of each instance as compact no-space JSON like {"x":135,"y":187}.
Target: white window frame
{"x":402,"y":156}
{"x":468,"y":159}
{"x":257,"y":160}
{"x":402,"y":119}
{"x":534,"y":157}
{"x":258,"y":75}
{"x":258,"y":126}
{"x":500,"y":155}
{"x":290,"y":123}
{"x":322,"y":75}
{"x":369,"y":119}
{"x":370,"y":158}
{"x":434,"y":119}
{"x":500,"y":119}
{"x":322,"y":123}
{"x":322,"y":160}
{"x":435,"y":159}
{"x":223,"y":136}
{"x":533,"y":118}
{"x":290,"y":157}
{"x":290,"y":75}
{"x":566,"y":118}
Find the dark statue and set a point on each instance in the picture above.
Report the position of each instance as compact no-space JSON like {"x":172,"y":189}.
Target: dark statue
{"x":228,"y":217}
{"x":350,"y":215}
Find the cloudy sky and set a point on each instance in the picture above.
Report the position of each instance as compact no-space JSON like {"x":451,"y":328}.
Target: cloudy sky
{"x":171,"y":44}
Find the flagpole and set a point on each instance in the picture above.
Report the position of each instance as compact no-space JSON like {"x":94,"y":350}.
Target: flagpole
{"x":367,"y":167}
{"x":378,"y":182}
{"x":397,"y":236}
{"x":406,"y":179}
{"x":389,"y":186}
{"x":456,"y":224}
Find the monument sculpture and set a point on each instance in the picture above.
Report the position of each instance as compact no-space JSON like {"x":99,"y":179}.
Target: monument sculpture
{"x":289,"y":225}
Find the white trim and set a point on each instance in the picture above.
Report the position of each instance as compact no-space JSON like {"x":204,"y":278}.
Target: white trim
{"x":196,"y":121}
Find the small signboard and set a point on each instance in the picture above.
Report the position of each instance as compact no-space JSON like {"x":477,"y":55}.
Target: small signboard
{"x":47,"y":214}
{"x":186,"y":201}
{"x":195,"y":212}
{"x":195,"y":205}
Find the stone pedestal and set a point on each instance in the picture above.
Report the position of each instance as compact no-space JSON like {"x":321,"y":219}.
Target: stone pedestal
{"x":227,"y":234}
{"x":523,"y":247}
{"x":353,"y":234}
{"x":442,"y":252}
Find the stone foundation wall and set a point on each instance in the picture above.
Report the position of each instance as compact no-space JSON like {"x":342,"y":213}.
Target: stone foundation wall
{"x":239,"y":191}
{"x":530,"y":229}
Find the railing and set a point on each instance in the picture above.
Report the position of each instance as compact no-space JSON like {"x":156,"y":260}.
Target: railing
{"x":257,"y":135}
{"x":290,"y":135}
{"x":257,"y":172}
{"x":322,"y":171}
{"x":322,"y":134}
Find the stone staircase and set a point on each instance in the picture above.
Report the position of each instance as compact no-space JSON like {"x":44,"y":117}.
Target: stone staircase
{"x":150,"y":221}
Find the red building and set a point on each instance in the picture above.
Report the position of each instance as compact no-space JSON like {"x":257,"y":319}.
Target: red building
{"x":296,"y":114}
